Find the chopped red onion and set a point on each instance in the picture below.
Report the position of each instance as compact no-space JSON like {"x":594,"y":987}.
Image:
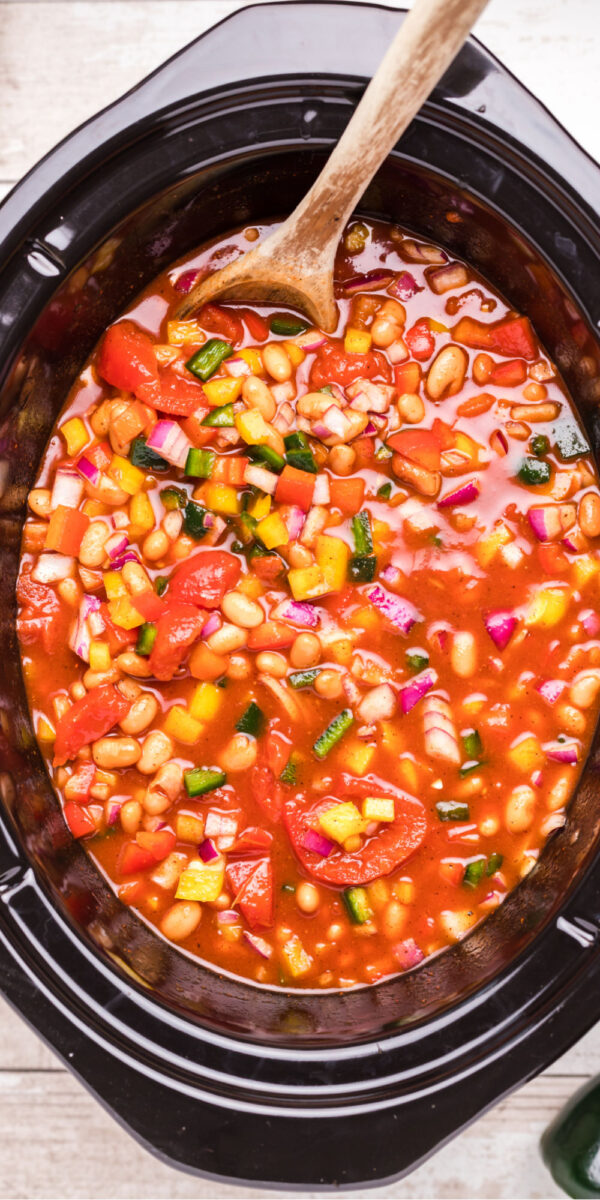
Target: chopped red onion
{"x":237,"y":367}
{"x":128,"y":556}
{"x":311,"y":340}
{"x":67,"y":489}
{"x":211,"y":626}
{"x":366,"y":396}
{"x":208,"y":851}
{"x":228,"y":917}
{"x":116,"y":545}
{"x":537,"y":778}
{"x":590,"y":621}
{"x":398,"y":351}
{"x":400,"y":612}
{"x":219,"y":825}
{"x":443,"y":279}
{"x":391,"y":574}
{"x":416,"y":688}
{"x":294,"y":520}
{"x":259,"y":944}
{"x":317,"y":843}
{"x":169,"y":440}
{"x":545,"y":521}
{"x":88,"y":470}
{"x":284,"y":418}
{"x":322,"y":494}
{"x":51,"y":568}
{"x":440,"y":744}
{"x":283,"y":392}
{"x":299,"y":612}
{"x":185,"y":282}
{"x":500,"y":625}
{"x":260,"y":478}
{"x":113,"y":808}
{"x":465,"y":494}
{"x":575,"y":541}
{"x":367,"y":282}
{"x":80,"y":638}
{"x":551,"y":689}
{"x":408,"y":954}
{"x":562,"y":752}
{"x":333,"y":423}
{"x":405,"y":286}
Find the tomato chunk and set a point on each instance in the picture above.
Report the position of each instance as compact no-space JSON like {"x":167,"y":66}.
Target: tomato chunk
{"x":252,"y":841}
{"x":271,"y":635}
{"x":127,"y":361}
{"x":420,"y":445}
{"x":78,"y":819}
{"x":87,"y":720}
{"x":334,"y":365}
{"x":178,"y":397}
{"x":205,"y":577}
{"x":266,"y":791}
{"x":42,"y":619}
{"x":347,"y":495}
{"x":255,"y":897}
{"x":222,"y":321}
{"x":176,"y":630}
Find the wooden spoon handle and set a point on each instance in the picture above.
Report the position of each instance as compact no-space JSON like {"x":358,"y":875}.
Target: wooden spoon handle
{"x":423,"y":48}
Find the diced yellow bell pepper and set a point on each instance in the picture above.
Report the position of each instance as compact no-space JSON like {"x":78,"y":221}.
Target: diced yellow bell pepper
{"x":295,"y":353}
{"x":436,"y":326}
{"x":378,"y":893}
{"x":526,"y":754}
{"x":357,"y":341}
{"x":474,"y":703}
{"x":222,"y":498}
{"x":201,"y":881}
{"x":182,"y":726}
{"x":100,"y":659}
{"x":252,"y":427}
{"x":382,"y":531}
{"x":356,"y":756}
{"x":45,"y":731}
{"x":404,"y":891}
{"x":182,"y":333}
{"x":250,"y":586}
{"x":297,"y":961}
{"x":548,"y":607}
{"x":408,"y":775}
{"x":75,"y":434}
{"x":272,"y":531}
{"x":189,"y":828}
{"x":206,"y":701}
{"x":342,"y":651}
{"x":378,"y":808}
{"x":114,"y":585}
{"x":223,"y":391}
{"x":131,"y":479}
{"x":166,"y":354}
{"x":391,"y":738}
{"x":467,"y":445}
{"x":332,"y":556}
{"x":487,"y":547}
{"x":585,"y":568}
{"x":123,"y":614}
{"x":253,"y":357}
{"x":342,"y":821}
{"x":259,"y":508}
{"x":307,"y":583}
{"x":366,"y":618}
{"x":94,"y":508}
{"x":141,"y":513}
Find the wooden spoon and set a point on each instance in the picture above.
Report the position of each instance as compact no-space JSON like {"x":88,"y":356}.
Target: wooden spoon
{"x":294,"y":265}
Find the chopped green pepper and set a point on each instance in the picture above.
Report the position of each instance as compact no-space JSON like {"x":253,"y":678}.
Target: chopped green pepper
{"x":474,"y":872}
{"x":362,"y":568}
{"x":173,"y":497}
{"x":302,"y":679}
{"x":357,"y":904}
{"x":382,"y":453}
{"x":146,"y":638}
{"x":334,"y":733}
{"x":417,"y":660}
{"x":160,"y":584}
{"x":539,"y":445}
{"x":220,"y":418}
{"x":194,"y":519}
{"x":270,"y":458}
{"x":494,"y":863}
{"x":385,"y":491}
{"x":534,"y":471}
{"x":208,"y":358}
{"x":363,"y":534}
{"x":288,"y":887}
{"x":468,"y":767}
{"x":200,"y":463}
{"x":472,"y":743}
{"x":291,"y":770}
{"x":569,"y":441}
{"x":141,"y":456}
{"x":252,"y":721}
{"x":302,"y":460}
{"x":452,"y":810}
{"x":199,"y":780}
{"x":285,"y":325}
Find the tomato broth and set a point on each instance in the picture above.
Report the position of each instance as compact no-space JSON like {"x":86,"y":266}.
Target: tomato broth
{"x":322,"y":613}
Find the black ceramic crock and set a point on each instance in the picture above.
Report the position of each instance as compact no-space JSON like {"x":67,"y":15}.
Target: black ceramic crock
{"x":213,"y":1073}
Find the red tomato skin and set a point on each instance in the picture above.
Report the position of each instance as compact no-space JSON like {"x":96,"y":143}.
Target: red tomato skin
{"x":514,"y":337}
{"x":252,"y":841}
{"x":176,"y":631}
{"x":420,"y":340}
{"x":79,"y":821}
{"x":205,"y":577}
{"x":221,"y":321}
{"x":82,"y":780}
{"x":87,"y":720}
{"x":509,"y":374}
{"x":134,"y":858}
{"x":266,"y":791}
{"x":149,"y":605}
{"x":256,"y":325}
{"x":127,"y":360}
{"x":178,"y":396}
{"x":420,"y":445}
{"x":256,"y":897}
{"x":333,"y":365}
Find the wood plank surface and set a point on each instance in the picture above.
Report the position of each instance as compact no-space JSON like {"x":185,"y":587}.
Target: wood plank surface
{"x":60,"y":61}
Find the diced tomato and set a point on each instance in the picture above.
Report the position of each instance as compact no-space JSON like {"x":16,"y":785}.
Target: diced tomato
{"x":100,"y":455}
{"x":444,"y":434}
{"x":271,"y":635}
{"x":79,"y":820}
{"x":229,"y":469}
{"x":253,"y":883}
{"x":334,"y":365}
{"x":238,"y":873}
{"x":87,"y":720}
{"x":420,"y":340}
{"x":419,"y":445}
{"x":198,"y":434}
{"x":178,"y":396}
{"x":118,"y":639}
{"x":391,"y":845}
{"x":347,"y":495}
{"x":176,"y":630}
{"x":452,"y":872}
{"x":134,"y":858}
{"x":43,"y":618}
{"x":255,"y":324}
{"x":509,"y":374}
{"x":514,"y":337}
{"x":158,"y":844}
{"x":81,"y":781}
{"x":266,"y":791}
{"x":66,"y":529}
{"x":277,"y":751}
{"x":252,"y":841}
{"x":552,"y":558}
{"x":268,"y":567}
{"x":131,"y":892}
{"x":205,"y":577}
{"x":364,"y":448}
{"x":150,"y":606}
{"x":127,"y":361}
{"x":295,"y":487}
{"x":129,"y":423}
{"x":407,"y":378}
{"x":205,"y":664}
{"x":222,"y":321}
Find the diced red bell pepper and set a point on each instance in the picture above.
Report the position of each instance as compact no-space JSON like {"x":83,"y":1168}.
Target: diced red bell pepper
{"x":364,"y":448}
{"x":266,"y":791}
{"x":66,"y":528}
{"x":295,"y":487}
{"x":198,"y":434}
{"x":150,"y":606}
{"x":347,"y":495}
{"x":178,"y":396}
{"x":421,"y":446}
{"x":407,"y":378}
{"x":87,"y":720}
{"x":78,"y":819}
{"x":333,"y":365}
{"x":514,"y":337}
{"x":271,"y":635}
{"x":81,"y":781}
{"x":229,"y":469}
{"x":131,"y":422}
{"x":127,"y":361}
{"x":452,"y":873}
{"x":553,"y":559}
{"x":118,"y":639}
{"x":205,"y":577}
{"x":268,"y":567}
{"x":100,"y":455}
{"x":176,"y":630}
{"x":255,"y":894}
{"x":159,"y":844}
{"x":277,"y":751}
{"x":134,"y":858}
{"x":509,"y":374}
{"x":252,"y":841}
{"x":420,"y":340}
{"x":221,"y":321}
{"x":256,"y":325}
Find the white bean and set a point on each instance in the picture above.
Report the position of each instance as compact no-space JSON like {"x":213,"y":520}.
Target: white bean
{"x":114,"y":752}
{"x":141,"y":714}
{"x":242,"y":611}
{"x":156,"y":750}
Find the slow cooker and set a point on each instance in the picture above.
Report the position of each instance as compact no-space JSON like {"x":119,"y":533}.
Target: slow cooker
{"x":215,"y":1074}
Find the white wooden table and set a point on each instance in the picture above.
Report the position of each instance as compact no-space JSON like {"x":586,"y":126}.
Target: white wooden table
{"x":60,"y":61}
